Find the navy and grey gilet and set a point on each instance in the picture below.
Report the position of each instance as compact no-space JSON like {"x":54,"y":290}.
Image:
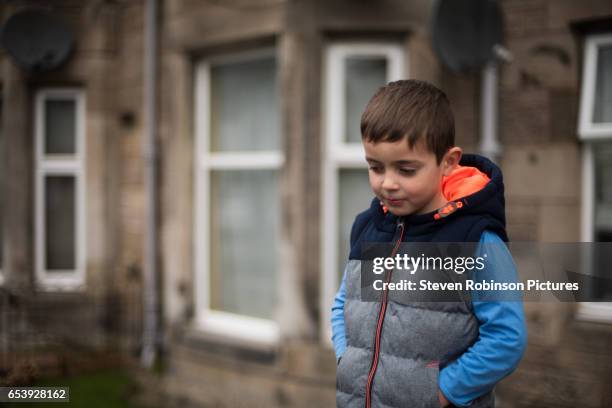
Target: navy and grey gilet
{"x":413,"y":336}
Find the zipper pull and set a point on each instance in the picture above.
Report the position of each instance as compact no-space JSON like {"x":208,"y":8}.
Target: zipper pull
{"x":399,"y":233}
{"x":400,"y":222}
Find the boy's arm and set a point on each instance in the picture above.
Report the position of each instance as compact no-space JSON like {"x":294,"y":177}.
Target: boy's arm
{"x":337,"y":320}
{"x":502,"y":334}
{"x":337,"y":317}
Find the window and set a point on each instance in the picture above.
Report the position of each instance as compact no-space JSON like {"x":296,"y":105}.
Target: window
{"x":353,"y":72}
{"x":595,"y":130}
{"x":60,"y":196}
{"x":238,"y":157}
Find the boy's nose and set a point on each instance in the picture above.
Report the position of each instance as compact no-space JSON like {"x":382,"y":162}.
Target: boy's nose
{"x":389,"y":184}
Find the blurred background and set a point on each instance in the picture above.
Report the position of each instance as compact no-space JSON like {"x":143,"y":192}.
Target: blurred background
{"x":179,"y":178}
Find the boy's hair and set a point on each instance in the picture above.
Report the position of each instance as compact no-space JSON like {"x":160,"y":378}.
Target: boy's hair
{"x":410,"y":109}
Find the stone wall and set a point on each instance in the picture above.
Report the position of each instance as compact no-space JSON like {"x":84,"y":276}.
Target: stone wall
{"x":106,"y":312}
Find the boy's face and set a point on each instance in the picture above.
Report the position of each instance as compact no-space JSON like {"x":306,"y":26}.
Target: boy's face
{"x":408,"y":180}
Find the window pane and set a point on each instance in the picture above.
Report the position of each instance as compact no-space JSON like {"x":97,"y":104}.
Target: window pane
{"x":364,"y":75}
{"x":603,"y":212}
{"x":355,"y":197}
{"x":60,"y":219}
{"x":603,"y":86}
{"x":244,"y":241}
{"x":60,"y":126}
{"x":244,"y":106}
{"x":603,"y":188}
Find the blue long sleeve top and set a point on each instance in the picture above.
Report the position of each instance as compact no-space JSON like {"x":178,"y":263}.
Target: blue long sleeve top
{"x":502,"y":333}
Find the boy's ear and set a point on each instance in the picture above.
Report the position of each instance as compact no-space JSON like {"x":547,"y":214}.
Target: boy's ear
{"x":451,"y":159}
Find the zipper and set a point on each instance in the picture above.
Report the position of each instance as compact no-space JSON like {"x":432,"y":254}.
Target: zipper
{"x":399,"y":236}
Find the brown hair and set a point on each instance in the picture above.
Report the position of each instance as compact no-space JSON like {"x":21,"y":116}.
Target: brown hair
{"x":410,"y":109}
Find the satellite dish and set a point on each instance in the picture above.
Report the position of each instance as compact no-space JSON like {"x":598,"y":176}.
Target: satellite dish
{"x":37,"y":40}
{"x":465,"y":32}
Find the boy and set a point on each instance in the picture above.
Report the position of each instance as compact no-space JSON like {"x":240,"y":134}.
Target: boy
{"x":437,"y":354}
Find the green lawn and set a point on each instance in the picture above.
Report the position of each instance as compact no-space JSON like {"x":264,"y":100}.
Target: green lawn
{"x":104,"y":389}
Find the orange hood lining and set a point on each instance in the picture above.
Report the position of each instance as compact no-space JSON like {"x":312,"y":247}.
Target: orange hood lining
{"x":463,"y":181}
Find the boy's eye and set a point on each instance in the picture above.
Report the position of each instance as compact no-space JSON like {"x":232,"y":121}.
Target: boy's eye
{"x":376,"y":169}
{"x":407,"y":171}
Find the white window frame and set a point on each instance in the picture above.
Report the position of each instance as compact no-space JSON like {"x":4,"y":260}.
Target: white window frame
{"x":591,"y":132}
{"x":250,"y":329}
{"x":587,"y":129}
{"x":339,"y":154}
{"x":56,"y":164}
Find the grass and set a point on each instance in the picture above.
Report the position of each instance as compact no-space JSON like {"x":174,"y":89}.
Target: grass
{"x":103,"y":389}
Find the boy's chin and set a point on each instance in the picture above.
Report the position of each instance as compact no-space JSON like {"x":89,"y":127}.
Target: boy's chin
{"x":402,"y":212}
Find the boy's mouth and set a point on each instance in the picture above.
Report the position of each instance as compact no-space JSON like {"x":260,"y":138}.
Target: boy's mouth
{"x":394,"y":202}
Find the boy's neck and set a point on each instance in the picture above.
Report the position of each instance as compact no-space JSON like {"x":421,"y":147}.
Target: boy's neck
{"x":438,"y":202}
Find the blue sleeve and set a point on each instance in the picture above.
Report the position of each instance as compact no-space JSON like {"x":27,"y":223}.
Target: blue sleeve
{"x":337,"y":320}
{"x":502,"y":333}
{"x":337,"y":316}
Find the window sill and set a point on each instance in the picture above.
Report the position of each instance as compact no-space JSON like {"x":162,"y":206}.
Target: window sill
{"x":48,"y":286}
{"x":200,"y":338}
{"x":596,"y":312}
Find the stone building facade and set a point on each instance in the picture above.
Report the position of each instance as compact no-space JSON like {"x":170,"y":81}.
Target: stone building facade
{"x":259,"y":174}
